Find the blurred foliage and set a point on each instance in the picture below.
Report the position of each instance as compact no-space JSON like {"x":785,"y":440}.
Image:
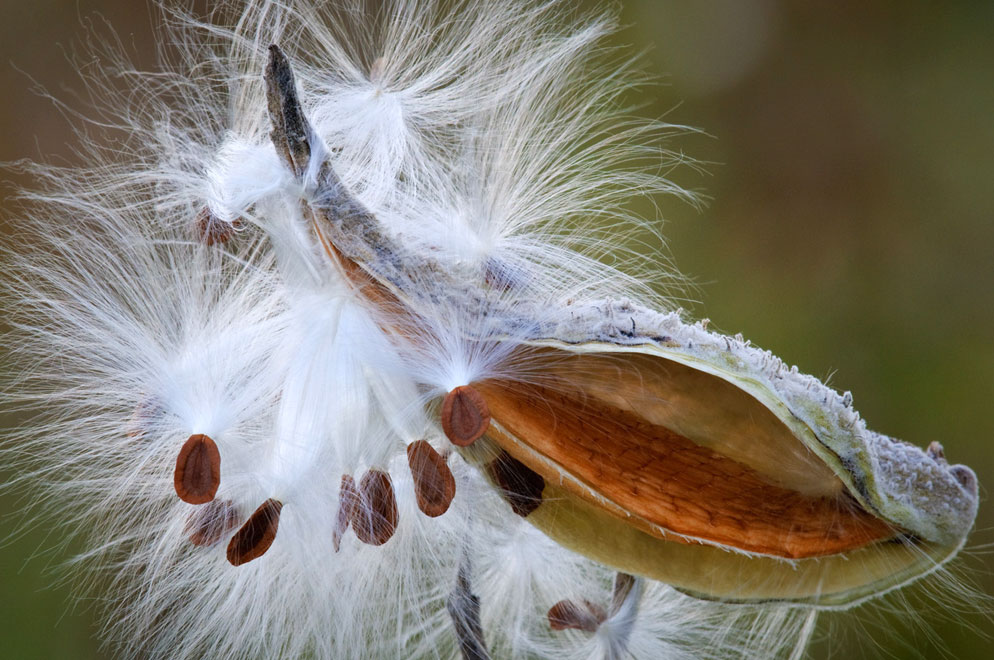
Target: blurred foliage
{"x":849,"y":231}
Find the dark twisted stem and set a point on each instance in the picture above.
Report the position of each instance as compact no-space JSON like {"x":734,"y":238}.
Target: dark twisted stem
{"x":464,"y":608}
{"x":291,"y":133}
{"x":355,"y":233}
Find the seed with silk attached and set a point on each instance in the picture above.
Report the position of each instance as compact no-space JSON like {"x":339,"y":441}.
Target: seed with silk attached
{"x":434,"y":484}
{"x":211,"y":229}
{"x":198,"y":470}
{"x":256,"y":535}
{"x":348,"y":504}
{"x":375,"y":518}
{"x":208,"y":524}
{"x":465,"y":416}
{"x":578,"y":616}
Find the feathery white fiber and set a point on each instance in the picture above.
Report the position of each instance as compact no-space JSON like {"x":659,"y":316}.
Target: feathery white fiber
{"x":311,"y":293}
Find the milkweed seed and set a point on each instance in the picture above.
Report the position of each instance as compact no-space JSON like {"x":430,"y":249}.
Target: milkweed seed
{"x":520,"y":486}
{"x":198,"y":470}
{"x":253,"y":539}
{"x":208,"y":524}
{"x":144,"y":417}
{"x":567,"y":614}
{"x":434,"y":484}
{"x":348,"y":504}
{"x":211,"y":229}
{"x":465,"y":415}
{"x":375,"y":519}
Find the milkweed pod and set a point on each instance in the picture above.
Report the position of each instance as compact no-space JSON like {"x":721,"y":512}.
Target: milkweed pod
{"x":696,"y":459}
{"x":650,"y":445}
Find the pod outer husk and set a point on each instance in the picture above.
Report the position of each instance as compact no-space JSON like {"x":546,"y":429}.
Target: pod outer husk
{"x":931,"y":505}
{"x":896,"y":481}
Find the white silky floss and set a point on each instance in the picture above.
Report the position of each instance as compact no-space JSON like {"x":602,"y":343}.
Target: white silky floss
{"x":482,"y":154}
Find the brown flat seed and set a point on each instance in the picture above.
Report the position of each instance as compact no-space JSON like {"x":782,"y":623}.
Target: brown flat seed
{"x":198,"y":470}
{"x":567,"y":614}
{"x":519,"y":485}
{"x":623,"y":584}
{"x":253,"y":539}
{"x":211,"y":229}
{"x":501,"y":276}
{"x":375,"y":519}
{"x":348,"y":504}
{"x":465,"y":415}
{"x":434,"y":484}
{"x":208,"y":524}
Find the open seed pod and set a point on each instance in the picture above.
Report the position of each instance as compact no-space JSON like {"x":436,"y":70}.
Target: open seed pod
{"x":656,"y":447}
{"x":692,"y":458}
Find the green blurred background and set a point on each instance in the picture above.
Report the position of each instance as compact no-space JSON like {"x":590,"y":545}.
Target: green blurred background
{"x":850,"y":230}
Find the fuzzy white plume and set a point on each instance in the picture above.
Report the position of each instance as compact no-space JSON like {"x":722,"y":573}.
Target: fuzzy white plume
{"x":176,"y":286}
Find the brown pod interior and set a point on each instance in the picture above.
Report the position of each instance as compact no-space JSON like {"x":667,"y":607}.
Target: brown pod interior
{"x":678,"y":452}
